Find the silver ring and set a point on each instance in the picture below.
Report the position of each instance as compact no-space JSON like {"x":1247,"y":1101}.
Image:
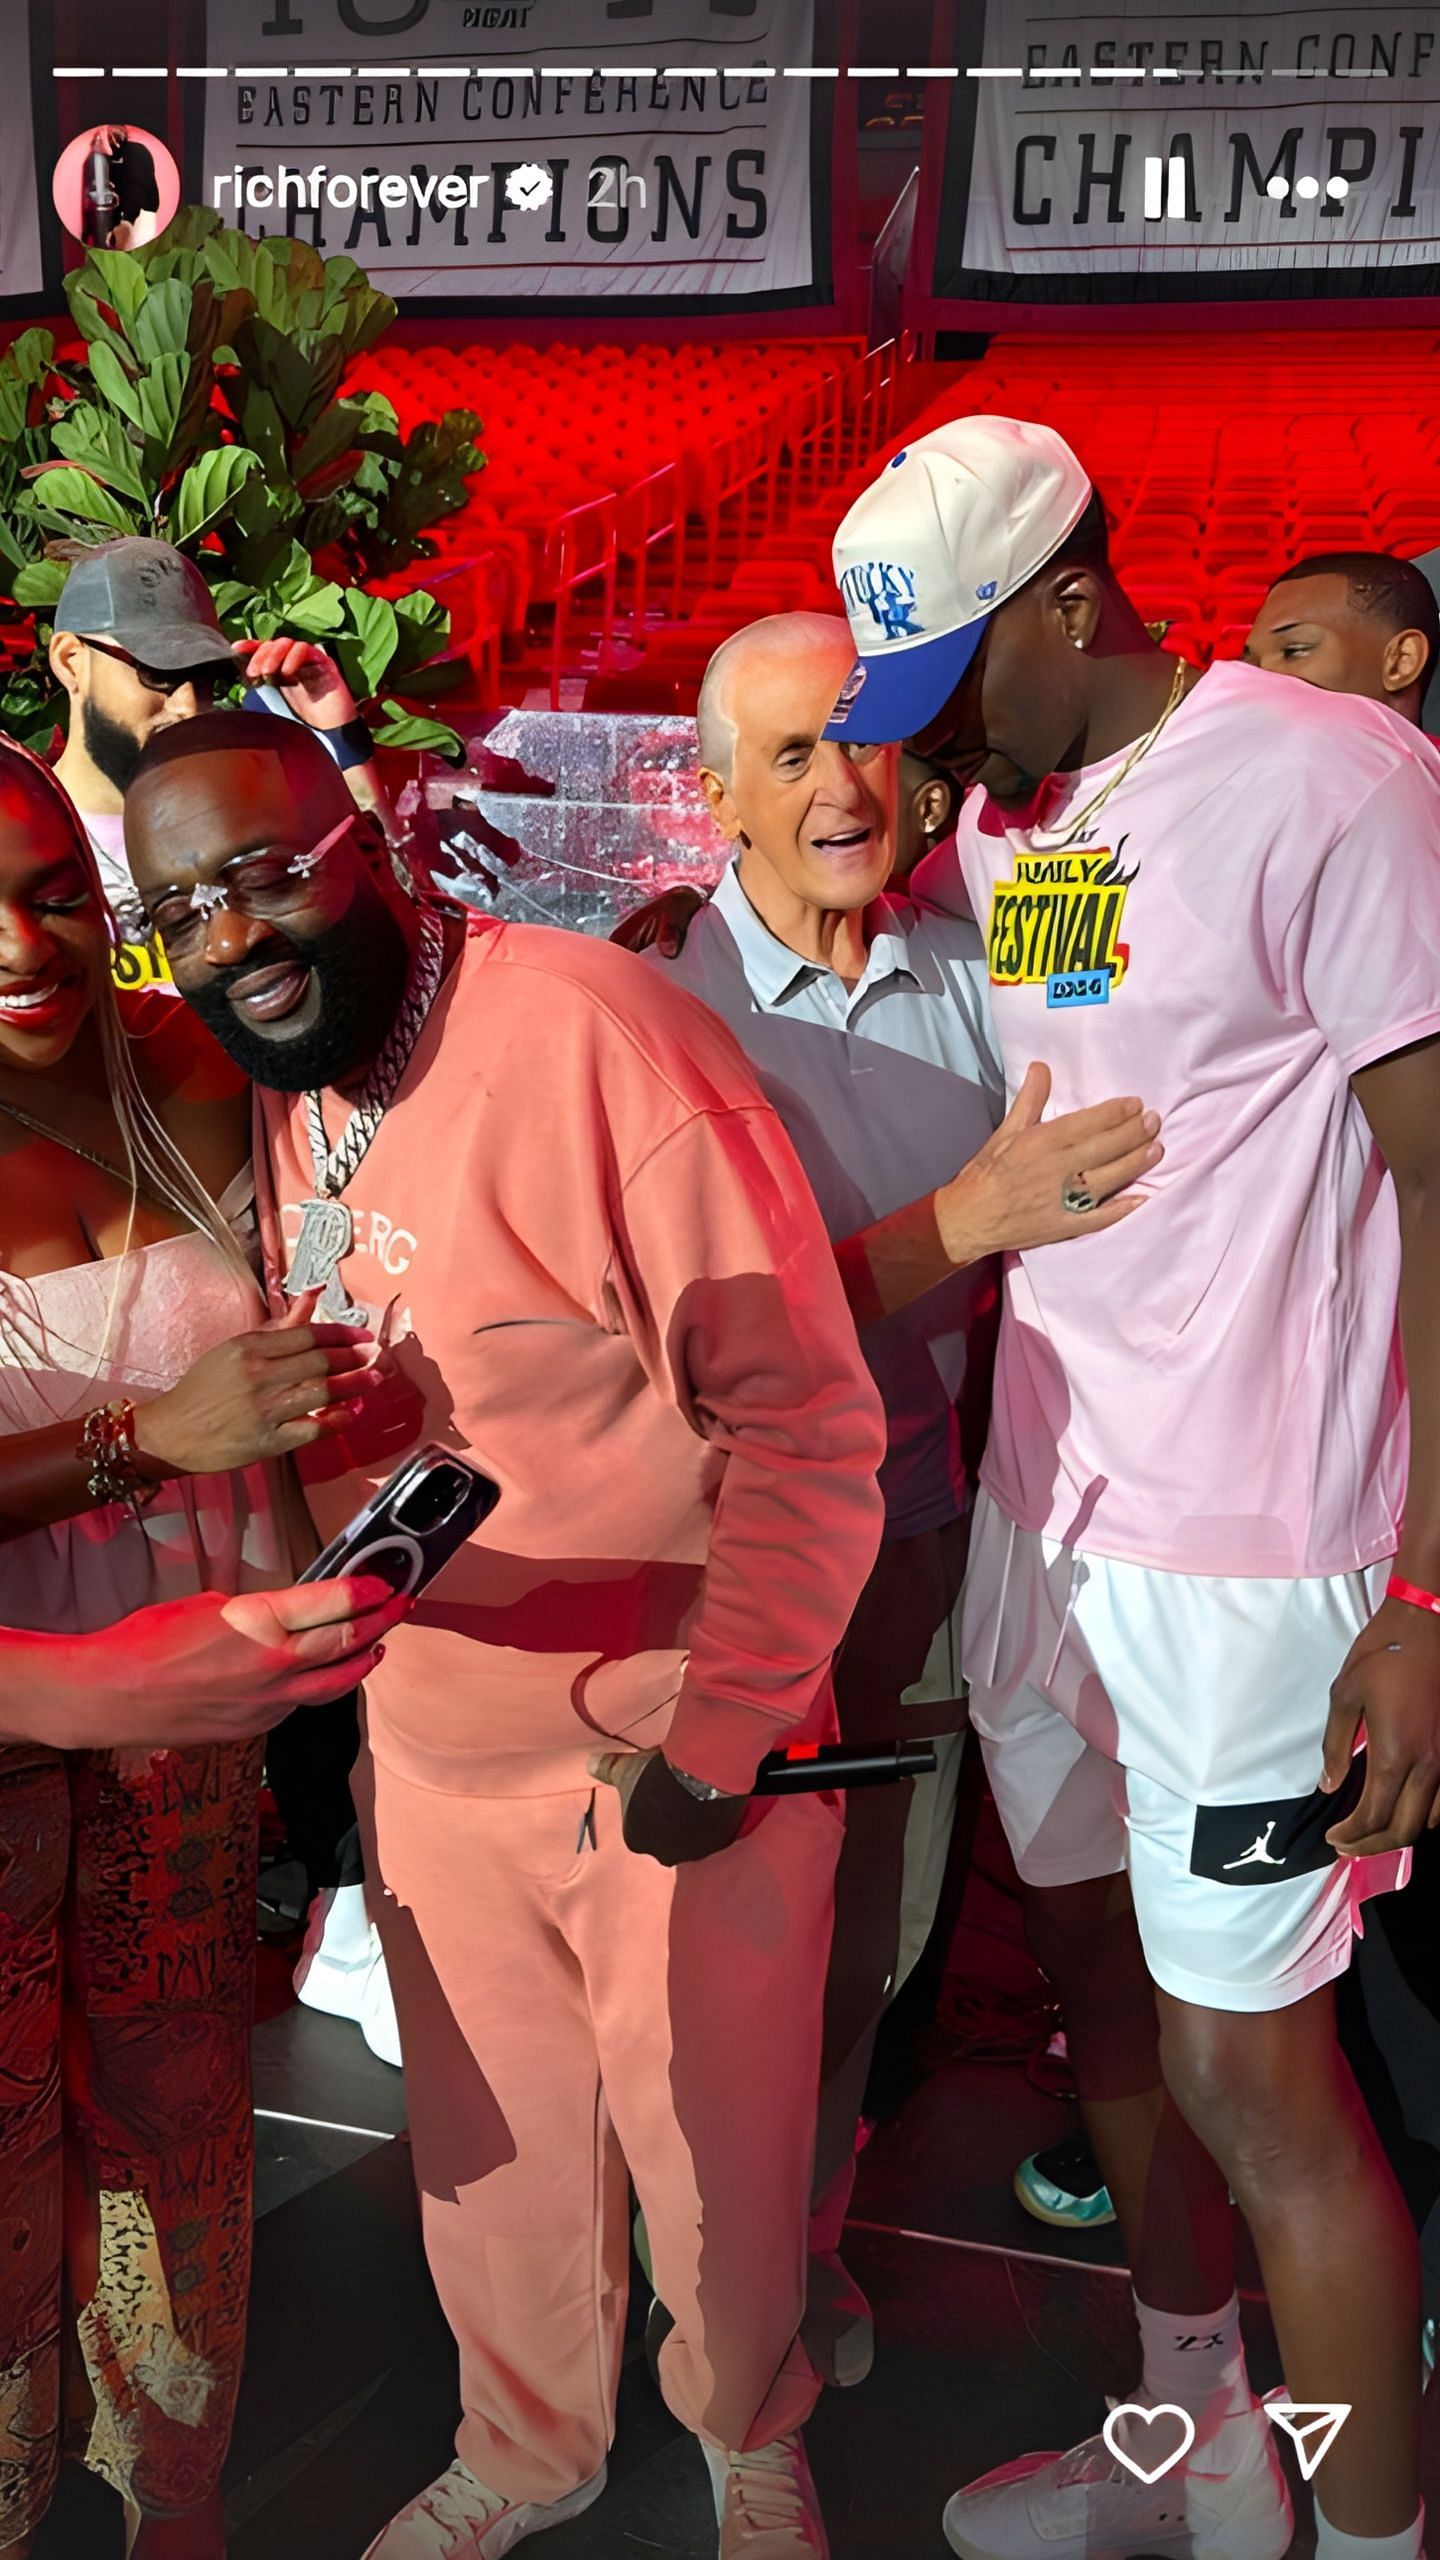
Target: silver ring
{"x":1077,"y":1199}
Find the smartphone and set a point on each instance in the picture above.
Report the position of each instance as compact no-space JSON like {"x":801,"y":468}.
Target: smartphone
{"x":409,"y":1529}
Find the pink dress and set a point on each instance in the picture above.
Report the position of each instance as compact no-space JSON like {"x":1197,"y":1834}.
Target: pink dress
{"x":131,"y":1326}
{"x":127,"y":1927}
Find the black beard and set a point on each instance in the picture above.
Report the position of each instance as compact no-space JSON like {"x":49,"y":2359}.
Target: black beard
{"x":113,"y":749}
{"x":362,"y":966}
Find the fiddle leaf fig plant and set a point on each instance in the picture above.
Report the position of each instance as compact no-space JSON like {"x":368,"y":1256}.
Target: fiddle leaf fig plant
{"x":208,"y":409}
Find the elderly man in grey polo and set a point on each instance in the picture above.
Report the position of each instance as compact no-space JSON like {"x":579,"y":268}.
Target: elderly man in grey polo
{"x":867,"y":1020}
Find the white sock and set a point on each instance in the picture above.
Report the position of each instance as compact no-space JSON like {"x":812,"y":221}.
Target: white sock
{"x":347,"y":1926}
{"x":1332,"y":2544}
{"x":1196,"y":2362}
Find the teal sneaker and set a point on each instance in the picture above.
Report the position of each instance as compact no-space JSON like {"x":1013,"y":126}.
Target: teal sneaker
{"x":1063,"y":2186}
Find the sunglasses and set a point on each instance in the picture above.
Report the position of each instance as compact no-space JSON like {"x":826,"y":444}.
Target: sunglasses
{"x":167,"y":680}
{"x":266,"y":886}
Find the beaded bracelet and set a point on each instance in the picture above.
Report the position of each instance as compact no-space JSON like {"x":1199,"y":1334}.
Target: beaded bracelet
{"x":107,"y":1443}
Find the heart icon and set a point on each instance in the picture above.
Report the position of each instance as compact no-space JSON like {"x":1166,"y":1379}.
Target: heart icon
{"x":1147,"y":2418}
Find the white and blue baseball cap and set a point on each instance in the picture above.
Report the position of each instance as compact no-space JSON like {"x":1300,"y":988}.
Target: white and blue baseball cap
{"x":954,"y":526}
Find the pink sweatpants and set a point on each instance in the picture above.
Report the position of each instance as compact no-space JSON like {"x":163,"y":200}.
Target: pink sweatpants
{"x":569,"y":2010}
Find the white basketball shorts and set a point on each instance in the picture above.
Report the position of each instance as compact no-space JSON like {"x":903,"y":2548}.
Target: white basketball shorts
{"x":1174,"y":1723}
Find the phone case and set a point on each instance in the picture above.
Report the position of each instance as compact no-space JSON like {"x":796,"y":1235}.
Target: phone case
{"x":407,"y":1556}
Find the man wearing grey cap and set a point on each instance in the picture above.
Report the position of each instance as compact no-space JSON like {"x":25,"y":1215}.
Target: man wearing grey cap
{"x":137,"y":646}
{"x":1205,"y":1568}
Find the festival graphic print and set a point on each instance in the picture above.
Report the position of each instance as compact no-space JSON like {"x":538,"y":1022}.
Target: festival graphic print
{"x":1056,"y":923}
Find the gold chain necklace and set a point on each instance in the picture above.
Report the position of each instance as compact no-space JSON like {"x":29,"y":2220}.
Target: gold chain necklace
{"x":1141,"y":747}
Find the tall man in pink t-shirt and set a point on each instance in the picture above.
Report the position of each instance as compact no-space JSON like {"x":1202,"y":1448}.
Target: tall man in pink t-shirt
{"x":560,"y":1193}
{"x":1226,"y":892}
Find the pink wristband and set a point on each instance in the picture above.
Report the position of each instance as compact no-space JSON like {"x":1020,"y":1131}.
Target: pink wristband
{"x":1398,"y":1589}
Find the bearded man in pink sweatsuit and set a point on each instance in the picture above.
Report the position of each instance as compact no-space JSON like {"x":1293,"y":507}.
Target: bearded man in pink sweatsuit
{"x":604,"y":1279}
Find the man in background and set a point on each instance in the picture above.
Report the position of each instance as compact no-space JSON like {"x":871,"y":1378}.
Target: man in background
{"x":1369,"y":624}
{"x":1357,"y":622}
{"x":928,"y":806}
{"x":137,"y":646}
{"x":867,"y":1022}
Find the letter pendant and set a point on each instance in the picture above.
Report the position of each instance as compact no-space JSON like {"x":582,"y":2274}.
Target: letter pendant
{"x":327,"y":1234}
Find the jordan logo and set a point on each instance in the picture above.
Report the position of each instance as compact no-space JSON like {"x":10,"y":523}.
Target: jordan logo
{"x":1258,"y":1854}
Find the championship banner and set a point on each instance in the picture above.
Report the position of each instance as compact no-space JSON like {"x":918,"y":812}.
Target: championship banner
{"x":557,"y":151}
{"x":1162,"y":154}
{"x":22,"y":274}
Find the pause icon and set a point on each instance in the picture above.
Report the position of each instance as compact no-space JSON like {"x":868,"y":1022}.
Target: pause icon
{"x":1165,"y":190}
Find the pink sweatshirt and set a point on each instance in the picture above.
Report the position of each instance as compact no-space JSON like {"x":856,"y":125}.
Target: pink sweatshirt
{"x":610,"y":1287}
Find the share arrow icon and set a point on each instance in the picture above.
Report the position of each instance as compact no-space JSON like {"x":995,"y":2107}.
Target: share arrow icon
{"x":1312,"y":2427}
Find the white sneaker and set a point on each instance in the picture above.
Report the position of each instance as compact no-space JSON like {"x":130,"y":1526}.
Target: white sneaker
{"x":339,"y":1953}
{"x":458,"y":2518}
{"x":1085,"y":2505}
{"x":342,"y":1969}
{"x":766,"y":2503}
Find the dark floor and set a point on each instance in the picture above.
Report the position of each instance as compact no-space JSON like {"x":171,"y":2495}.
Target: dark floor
{"x":996,"y":2336}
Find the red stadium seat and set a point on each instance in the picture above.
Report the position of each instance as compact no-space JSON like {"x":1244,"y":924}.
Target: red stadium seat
{"x":1220,"y":458}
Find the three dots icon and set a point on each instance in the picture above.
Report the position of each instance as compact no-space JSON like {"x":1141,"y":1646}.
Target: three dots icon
{"x":1278,"y":188}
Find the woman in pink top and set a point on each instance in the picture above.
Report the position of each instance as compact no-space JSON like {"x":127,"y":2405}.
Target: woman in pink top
{"x":129,"y":1323}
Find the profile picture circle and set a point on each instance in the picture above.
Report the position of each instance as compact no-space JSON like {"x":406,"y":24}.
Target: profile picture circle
{"x":116,"y":186}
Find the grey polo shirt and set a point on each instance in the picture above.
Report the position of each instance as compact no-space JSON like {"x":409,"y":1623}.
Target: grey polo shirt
{"x":886,"y":1090}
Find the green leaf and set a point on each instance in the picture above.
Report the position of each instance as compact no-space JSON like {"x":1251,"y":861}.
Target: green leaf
{"x":320,"y":612}
{"x":161,"y":391}
{"x":98,"y":325}
{"x":260,"y":425}
{"x":373,"y":620}
{"x":262,"y":506}
{"x":193,"y":227}
{"x":208,"y":490}
{"x":31,"y":354}
{"x":63,"y":489}
{"x":334,"y":435}
{"x":12,"y":552}
{"x":379,"y":427}
{"x":232,"y":598}
{"x":367,"y":317}
{"x":96,"y":438}
{"x":24,"y":369}
{"x":114,"y":381}
{"x":402,"y":728}
{"x":303,"y":266}
{"x":37,"y":586}
{"x":426,"y":614}
{"x":30,"y":707}
{"x":234,"y":262}
{"x":438,"y":675}
{"x":120,"y":278}
{"x":297,"y":576}
{"x":161,"y":326}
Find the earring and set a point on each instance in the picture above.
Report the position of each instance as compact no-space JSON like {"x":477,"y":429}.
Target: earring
{"x":1077,"y":644}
